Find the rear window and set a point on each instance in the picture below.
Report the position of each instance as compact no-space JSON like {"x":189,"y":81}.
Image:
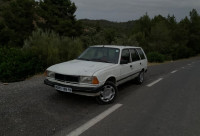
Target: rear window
{"x":141,"y":53}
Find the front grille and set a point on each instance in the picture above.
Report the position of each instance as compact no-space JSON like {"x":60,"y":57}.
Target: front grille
{"x":66,"y":78}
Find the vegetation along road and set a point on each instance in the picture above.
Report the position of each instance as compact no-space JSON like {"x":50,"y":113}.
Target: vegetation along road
{"x":166,"y":104}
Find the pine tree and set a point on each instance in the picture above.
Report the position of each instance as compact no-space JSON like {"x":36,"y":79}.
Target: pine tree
{"x":58,"y":15}
{"x":194,"y":41}
{"x":16,"y":22}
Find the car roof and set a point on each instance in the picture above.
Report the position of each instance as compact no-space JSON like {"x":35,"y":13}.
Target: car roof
{"x":115,"y":46}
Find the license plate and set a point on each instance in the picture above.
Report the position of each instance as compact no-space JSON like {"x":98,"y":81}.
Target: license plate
{"x":63,"y":89}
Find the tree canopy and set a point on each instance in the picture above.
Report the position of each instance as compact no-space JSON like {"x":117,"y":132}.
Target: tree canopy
{"x":58,"y":15}
{"x":17,"y":22}
{"x":18,"y":18}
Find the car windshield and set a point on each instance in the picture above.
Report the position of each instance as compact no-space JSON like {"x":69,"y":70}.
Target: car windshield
{"x":100,"y":54}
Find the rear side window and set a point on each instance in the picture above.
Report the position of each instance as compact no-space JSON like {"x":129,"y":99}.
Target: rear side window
{"x":134,"y":55}
{"x":141,"y":53}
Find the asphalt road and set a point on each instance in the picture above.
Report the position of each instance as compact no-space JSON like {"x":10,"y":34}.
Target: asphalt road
{"x":168,"y":107}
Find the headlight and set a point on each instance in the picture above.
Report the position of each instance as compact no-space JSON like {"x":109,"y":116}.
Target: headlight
{"x":50,"y":74}
{"x":89,"y":80}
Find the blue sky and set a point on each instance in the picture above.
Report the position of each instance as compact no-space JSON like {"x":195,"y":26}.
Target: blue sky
{"x":125,"y":10}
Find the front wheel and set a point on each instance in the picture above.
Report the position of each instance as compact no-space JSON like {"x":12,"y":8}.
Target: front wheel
{"x":108,"y":93}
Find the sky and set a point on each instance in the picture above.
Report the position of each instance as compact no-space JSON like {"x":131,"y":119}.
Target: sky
{"x":126,"y":10}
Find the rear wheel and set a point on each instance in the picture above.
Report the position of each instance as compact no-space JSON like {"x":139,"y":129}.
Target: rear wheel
{"x":140,"y":78}
{"x":108,"y":93}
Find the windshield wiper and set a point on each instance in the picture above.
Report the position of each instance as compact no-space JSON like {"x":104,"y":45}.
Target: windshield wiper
{"x":106,"y":61}
{"x":100,"y":60}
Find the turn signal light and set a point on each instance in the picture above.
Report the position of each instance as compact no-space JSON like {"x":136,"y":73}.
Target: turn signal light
{"x":95,"y":80}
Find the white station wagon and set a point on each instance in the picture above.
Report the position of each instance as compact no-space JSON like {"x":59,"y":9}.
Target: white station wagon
{"x":98,"y":71}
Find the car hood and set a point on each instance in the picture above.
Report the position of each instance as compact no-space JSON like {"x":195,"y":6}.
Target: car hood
{"x":79,"y":67}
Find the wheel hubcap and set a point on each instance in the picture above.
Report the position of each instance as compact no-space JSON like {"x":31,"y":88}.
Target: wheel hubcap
{"x":107,"y":93}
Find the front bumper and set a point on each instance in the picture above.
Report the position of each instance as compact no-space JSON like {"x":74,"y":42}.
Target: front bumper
{"x":87,"y":91}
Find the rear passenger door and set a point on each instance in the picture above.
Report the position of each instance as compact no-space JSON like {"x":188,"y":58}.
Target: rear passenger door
{"x":136,"y":64}
{"x":143,"y":59}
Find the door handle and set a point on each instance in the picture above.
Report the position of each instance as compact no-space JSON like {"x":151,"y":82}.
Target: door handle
{"x":140,"y":63}
{"x":131,"y":66}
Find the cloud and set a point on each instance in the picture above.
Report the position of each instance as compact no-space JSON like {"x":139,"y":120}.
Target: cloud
{"x":118,"y":10}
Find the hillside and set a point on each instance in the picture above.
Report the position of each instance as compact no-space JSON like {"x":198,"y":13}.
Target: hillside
{"x":124,"y":27}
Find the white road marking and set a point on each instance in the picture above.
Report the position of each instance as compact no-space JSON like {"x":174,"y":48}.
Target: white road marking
{"x":93,"y":121}
{"x":183,"y":67}
{"x":189,"y":64}
{"x":154,"y":82}
{"x":174,"y":71}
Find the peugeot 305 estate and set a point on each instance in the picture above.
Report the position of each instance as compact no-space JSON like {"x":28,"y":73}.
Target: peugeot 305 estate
{"x":98,"y":71}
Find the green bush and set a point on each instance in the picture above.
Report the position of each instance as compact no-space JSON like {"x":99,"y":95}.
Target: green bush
{"x":182,"y":52}
{"x":41,"y":50}
{"x":17,"y":64}
{"x":155,"y":57}
{"x":51,"y":48}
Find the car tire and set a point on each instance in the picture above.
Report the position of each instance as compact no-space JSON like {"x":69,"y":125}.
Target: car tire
{"x":140,"y":78}
{"x":108,"y":93}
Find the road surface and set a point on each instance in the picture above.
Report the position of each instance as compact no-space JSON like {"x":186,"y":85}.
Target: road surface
{"x":167,"y":104}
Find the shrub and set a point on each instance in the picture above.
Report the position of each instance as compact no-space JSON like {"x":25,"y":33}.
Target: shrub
{"x":155,"y":57}
{"x":182,"y":52}
{"x":51,"y":48}
{"x":41,"y":50}
{"x":16,"y":64}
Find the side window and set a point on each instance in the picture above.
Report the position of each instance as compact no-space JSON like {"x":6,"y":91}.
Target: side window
{"x":134,"y":55}
{"x":141,"y":53}
{"x":125,"y":57}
